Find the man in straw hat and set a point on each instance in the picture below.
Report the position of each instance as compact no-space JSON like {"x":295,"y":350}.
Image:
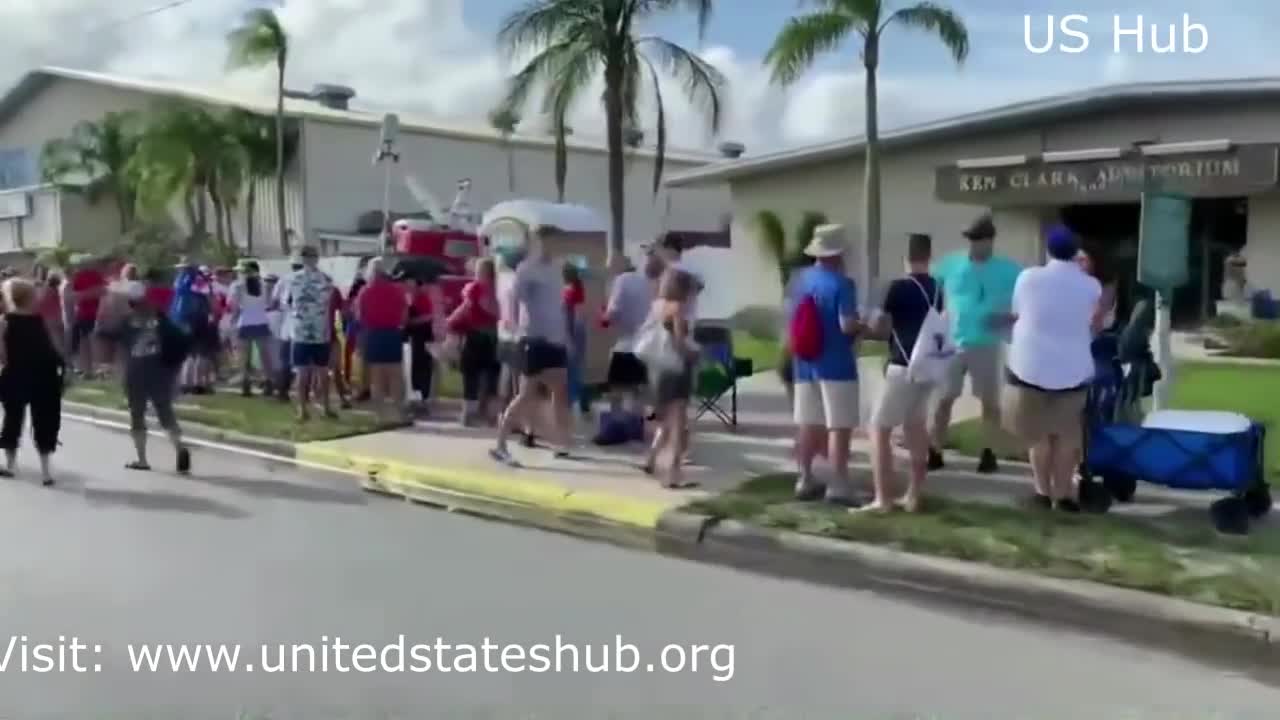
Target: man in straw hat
{"x":977,"y":286}
{"x":826,"y":385}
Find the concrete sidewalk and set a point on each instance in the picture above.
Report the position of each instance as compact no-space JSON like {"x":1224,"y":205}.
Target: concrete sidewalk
{"x":607,"y":484}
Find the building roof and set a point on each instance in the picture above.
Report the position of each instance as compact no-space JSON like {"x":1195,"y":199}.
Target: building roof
{"x":37,"y":80}
{"x":1055,"y":107}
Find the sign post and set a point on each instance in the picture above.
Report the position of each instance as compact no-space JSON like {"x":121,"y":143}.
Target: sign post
{"x":1163,"y":249}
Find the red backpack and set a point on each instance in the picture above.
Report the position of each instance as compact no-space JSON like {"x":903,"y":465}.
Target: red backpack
{"x":806,"y":330}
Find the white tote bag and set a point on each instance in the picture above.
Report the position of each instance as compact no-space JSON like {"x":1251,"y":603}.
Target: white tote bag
{"x":934,"y":350}
{"x":656,"y":347}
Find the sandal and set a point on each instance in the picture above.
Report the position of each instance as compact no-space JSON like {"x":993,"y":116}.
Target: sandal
{"x":138,"y":465}
{"x":681,"y":485}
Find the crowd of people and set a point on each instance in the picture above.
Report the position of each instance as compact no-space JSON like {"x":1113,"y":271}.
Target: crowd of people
{"x":1022,"y":338}
{"x":517,"y":334}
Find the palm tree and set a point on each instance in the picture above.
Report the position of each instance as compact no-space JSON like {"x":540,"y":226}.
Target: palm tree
{"x":773,"y":239}
{"x":188,"y":153}
{"x":574,"y":41}
{"x":93,"y":159}
{"x":256,"y":136}
{"x":261,"y":40}
{"x":805,"y":37}
{"x":505,"y":120}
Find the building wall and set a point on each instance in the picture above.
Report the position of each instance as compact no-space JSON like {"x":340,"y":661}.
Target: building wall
{"x":909,"y":205}
{"x":37,"y":231}
{"x":55,"y":111}
{"x":342,"y":182}
{"x":1263,"y":246}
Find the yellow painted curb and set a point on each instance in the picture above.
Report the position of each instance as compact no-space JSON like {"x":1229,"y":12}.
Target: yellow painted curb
{"x":548,"y":496}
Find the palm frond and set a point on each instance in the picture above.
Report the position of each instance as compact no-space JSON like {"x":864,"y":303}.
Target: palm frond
{"x":660,"y":141}
{"x":804,"y":234}
{"x":802,"y":39}
{"x":259,"y":40}
{"x":548,"y":68}
{"x":703,"y":83}
{"x":542,"y":23}
{"x":572,"y":75}
{"x":940,"y":21}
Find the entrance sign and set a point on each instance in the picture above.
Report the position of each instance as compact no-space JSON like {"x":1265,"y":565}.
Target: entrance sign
{"x":1164,"y":243}
{"x":1243,"y":170}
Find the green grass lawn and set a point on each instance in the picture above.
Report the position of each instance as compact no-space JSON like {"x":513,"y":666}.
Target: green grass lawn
{"x":1182,"y":557}
{"x":258,"y":416}
{"x":1252,"y":390}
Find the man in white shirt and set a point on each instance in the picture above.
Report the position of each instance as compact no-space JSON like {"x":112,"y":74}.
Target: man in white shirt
{"x":543,"y":341}
{"x":1056,"y":312}
{"x":630,"y":298}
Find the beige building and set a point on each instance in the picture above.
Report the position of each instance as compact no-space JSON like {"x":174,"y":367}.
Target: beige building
{"x":332,"y":180}
{"x":1079,"y":159}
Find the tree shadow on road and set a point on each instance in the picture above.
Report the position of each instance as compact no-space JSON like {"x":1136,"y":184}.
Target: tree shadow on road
{"x":278,"y":489}
{"x":163,"y":501}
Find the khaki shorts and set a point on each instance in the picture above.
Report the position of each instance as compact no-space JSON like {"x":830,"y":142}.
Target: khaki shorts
{"x":827,"y":403}
{"x":901,"y":401}
{"x":1032,"y":415}
{"x":983,"y":367}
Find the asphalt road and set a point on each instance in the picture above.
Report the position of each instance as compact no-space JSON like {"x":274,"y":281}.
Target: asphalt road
{"x":246,"y":552}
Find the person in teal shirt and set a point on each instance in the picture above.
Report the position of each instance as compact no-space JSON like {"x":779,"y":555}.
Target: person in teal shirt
{"x":978,"y":288}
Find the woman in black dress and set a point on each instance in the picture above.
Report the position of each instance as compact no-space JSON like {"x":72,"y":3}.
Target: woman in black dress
{"x":30,"y":380}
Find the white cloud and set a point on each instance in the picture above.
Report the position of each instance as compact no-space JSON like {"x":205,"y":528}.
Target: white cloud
{"x":420,"y":56}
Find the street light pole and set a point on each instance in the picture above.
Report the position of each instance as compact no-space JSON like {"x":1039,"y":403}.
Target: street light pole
{"x":387,"y":152}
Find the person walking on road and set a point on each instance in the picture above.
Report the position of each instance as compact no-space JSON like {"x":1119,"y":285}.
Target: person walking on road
{"x":31,"y":379}
{"x":155,"y":349}
{"x":903,"y":403}
{"x":826,"y":375}
{"x":978,"y":287}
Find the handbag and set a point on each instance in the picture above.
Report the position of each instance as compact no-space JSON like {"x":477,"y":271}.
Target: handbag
{"x":656,"y":346}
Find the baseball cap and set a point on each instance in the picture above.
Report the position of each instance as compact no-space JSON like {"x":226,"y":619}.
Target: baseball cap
{"x":1061,"y":243}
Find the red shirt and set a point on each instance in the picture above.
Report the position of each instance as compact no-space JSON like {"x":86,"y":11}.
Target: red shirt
{"x":86,"y":281}
{"x":574,"y":295}
{"x":160,"y":297}
{"x":382,"y":306}
{"x":422,"y":305}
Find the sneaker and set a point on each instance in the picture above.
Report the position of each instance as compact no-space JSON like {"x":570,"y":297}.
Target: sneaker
{"x":502,"y":455}
{"x":935,"y":459}
{"x":988,"y":464}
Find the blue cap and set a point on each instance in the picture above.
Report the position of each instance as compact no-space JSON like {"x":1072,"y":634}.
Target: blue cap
{"x":1062,"y":243}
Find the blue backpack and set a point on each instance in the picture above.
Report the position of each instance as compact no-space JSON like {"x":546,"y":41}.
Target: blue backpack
{"x":189,"y":307}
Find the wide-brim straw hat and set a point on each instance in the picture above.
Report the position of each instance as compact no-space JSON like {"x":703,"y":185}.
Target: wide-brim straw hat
{"x":828,"y":241}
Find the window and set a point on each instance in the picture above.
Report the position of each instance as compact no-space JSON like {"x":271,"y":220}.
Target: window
{"x":18,"y":168}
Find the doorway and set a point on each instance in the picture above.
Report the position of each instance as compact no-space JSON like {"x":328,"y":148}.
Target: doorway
{"x":1110,"y":232}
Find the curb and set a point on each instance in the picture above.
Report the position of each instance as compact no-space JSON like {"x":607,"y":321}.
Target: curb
{"x":1177,"y":624}
{"x":479,"y":488}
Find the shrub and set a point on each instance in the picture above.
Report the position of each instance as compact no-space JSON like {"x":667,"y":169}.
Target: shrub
{"x":1255,"y":338}
{"x":759,"y":321}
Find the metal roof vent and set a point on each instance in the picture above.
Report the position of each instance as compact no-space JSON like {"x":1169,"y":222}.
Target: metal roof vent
{"x":336,"y":97}
{"x":732,"y":150}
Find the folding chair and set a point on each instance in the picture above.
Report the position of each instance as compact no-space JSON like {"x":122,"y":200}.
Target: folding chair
{"x":717,"y":375}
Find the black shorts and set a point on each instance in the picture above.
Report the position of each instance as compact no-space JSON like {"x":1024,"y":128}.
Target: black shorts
{"x":537,"y":356}
{"x":627,"y":371}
